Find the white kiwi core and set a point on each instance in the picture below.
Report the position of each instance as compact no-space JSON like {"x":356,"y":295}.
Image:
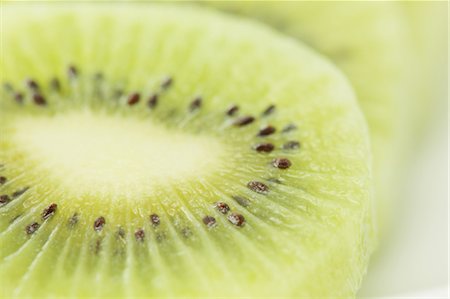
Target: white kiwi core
{"x":113,"y":154}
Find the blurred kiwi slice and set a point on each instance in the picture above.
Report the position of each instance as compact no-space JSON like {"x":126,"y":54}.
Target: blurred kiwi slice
{"x":370,"y":43}
{"x":160,"y":151}
{"x":429,"y":32}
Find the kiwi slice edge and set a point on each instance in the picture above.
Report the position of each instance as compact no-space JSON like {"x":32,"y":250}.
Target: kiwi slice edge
{"x":297,"y":227}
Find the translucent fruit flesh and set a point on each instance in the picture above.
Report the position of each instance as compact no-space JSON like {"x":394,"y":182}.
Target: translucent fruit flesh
{"x":120,"y":182}
{"x":370,"y":43}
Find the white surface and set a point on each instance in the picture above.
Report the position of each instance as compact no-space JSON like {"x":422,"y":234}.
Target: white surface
{"x":413,"y":261}
{"x":434,"y":293}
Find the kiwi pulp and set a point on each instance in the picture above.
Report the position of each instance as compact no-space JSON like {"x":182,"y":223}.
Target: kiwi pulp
{"x":156,"y":153}
{"x":370,"y":42}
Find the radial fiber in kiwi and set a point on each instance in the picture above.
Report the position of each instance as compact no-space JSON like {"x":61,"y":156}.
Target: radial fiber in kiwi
{"x":156,"y":151}
{"x":370,"y":43}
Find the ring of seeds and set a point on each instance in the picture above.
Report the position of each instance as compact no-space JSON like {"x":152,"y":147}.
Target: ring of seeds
{"x":264,"y":147}
{"x":282,"y":163}
{"x":266,"y":131}
{"x":258,"y":187}
{"x":154,"y":219}
{"x":32,"y":228}
{"x":4,"y":199}
{"x":99,"y":223}
{"x":209,"y":221}
{"x":133,"y":98}
{"x":49,"y":211}
{"x":222,"y":207}
{"x":139,"y":235}
{"x":236,"y":219}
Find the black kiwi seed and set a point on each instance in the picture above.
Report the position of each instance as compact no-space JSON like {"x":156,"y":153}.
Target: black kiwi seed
{"x":243,"y":121}
{"x":133,"y":99}
{"x":18,"y":97}
{"x":289,"y":128}
{"x":291,"y":145}
{"x":20,"y":192}
{"x":264,"y":147}
{"x":4,"y":199}
{"x":281,"y":163}
{"x":32,"y":85}
{"x":49,"y":211}
{"x":73,"y":220}
{"x":222,"y":207}
{"x":99,"y":223}
{"x":72,"y":71}
{"x":139,"y":235}
{"x":266,"y":131}
{"x":152,"y":101}
{"x":236,"y":219}
{"x":154,"y":219}
{"x":39,"y":99}
{"x":166,"y":83}
{"x":209,"y":221}
{"x":242,"y":201}
{"x":55,"y":85}
{"x":2,"y":180}
{"x":195,"y":104}
{"x":232,"y":110}
{"x":258,"y":187}
{"x":32,"y":228}
{"x":269,"y":110}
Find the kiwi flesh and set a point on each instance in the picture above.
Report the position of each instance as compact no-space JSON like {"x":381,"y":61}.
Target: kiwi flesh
{"x":158,"y":151}
{"x":370,"y":43}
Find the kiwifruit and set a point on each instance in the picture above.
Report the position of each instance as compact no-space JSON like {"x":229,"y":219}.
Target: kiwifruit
{"x":130,"y":167}
{"x":370,"y":43}
{"x":429,"y":31}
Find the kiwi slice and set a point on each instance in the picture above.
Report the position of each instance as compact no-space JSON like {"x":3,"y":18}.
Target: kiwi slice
{"x":369,"y":42}
{"x":429,"y":32}
{"x":158,"y":151}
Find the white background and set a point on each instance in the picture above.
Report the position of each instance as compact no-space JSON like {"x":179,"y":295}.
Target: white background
{"x":413,"y":261}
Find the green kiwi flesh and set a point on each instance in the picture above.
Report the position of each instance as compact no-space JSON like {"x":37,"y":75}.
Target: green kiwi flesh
{"x":370,"y":43}
{"x":157,"y":151}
